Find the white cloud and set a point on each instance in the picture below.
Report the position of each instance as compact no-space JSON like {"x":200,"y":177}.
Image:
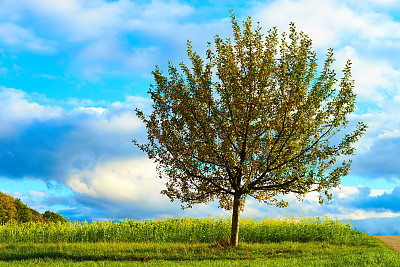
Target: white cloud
{"x":117,"y":118}
{"x":17,"y":111}
{"x":126,"y":123}
{"x":112,"y":37}
{"x":64,"y":140}
{"x":79,"y":20}
{"x":389,"y":134}
{"x":360,"y":214}
{"x":137,"y":101}
{"x":324,"y":21}
{"x":89,"y":110}
{"x":379,"y":192}
{"x":109,"y":55}
{"x":377,"y":85}
{"x":333,"y":23}
{"x":94,"y":19}
{"x":345,"y":191}
{"x":330,"y":22}
{"x":15,"y":36}
{"x":376,"y":80}
{"x":130,"y":180}
{"x":36,"y":194}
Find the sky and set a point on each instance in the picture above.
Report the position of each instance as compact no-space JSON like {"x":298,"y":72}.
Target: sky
{"x":73,"y":72}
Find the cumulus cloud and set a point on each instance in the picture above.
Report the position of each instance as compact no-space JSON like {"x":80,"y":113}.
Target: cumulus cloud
{"x":130,"y":188}
{"x":386,"y":201}
{"x":83,"y":20}
{"x":17,"y":111}
{"x":119,"y":180}
{"x":377,"y":81}
{"x":78,"y":20}
{"x":311,"y":16}
{"x":59,"y":140}
{"x":381,"y":160}
{"x":331,"y":22}
{"x":127,"y":122}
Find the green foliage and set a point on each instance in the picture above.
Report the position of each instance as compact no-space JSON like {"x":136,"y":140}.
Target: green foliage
{"x":8,"y":209}
{"x":2,"y":214}
{"x":50,"y":216}
{"x":14,"y":211}
{"x":23,"y":212}
{"x":36,"y":216}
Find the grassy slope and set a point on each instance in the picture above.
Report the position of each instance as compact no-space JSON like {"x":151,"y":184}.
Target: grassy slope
{"x":372,"y":253}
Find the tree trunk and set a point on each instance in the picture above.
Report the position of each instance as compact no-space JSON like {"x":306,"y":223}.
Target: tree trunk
{"x":235,"y":221}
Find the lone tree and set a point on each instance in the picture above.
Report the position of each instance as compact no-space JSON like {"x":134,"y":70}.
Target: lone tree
{"x":251,"y":120}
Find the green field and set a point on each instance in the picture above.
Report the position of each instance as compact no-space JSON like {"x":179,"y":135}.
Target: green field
{"x":192,"y":242}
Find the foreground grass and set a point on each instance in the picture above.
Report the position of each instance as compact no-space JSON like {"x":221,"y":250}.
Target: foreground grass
{"x":372,"y":253}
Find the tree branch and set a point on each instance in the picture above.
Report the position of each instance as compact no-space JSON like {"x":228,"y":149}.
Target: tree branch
{"x":230,"y":175}
{"x":276,"y":186}
{"x":303,"y":152}
{"x":203,"y":195}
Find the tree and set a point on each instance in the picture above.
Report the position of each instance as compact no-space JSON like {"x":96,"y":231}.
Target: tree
{"x":50,"y":216}
{"x":14,"y":210}
{"x":253,"y":120}
{"x":36,"y":216}
{"x":8,"y":208}
{"x":23,"y":211}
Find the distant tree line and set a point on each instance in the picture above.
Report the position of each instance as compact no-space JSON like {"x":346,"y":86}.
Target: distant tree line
{"x":12,"y":209}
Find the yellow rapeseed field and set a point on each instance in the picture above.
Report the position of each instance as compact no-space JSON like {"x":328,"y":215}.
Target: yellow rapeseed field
{"x":178,"y":229}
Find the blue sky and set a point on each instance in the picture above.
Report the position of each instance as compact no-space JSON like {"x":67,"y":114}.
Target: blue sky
{"x":72,"y":73}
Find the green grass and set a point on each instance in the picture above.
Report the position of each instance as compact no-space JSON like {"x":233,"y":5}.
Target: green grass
{"x":199,"y":254}
{"x":192,"y":242}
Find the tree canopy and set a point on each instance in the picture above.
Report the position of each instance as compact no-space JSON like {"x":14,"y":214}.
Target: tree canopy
{"x":14,"y":210}
{"x":251,"y":120}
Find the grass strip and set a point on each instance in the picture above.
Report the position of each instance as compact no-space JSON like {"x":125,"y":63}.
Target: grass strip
{"x":375,"y":253}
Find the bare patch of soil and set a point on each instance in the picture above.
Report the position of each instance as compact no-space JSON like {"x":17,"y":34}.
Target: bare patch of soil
{"x":392,"y":241}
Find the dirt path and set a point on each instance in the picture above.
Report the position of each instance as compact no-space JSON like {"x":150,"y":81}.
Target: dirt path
{"x":391,"y":240}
